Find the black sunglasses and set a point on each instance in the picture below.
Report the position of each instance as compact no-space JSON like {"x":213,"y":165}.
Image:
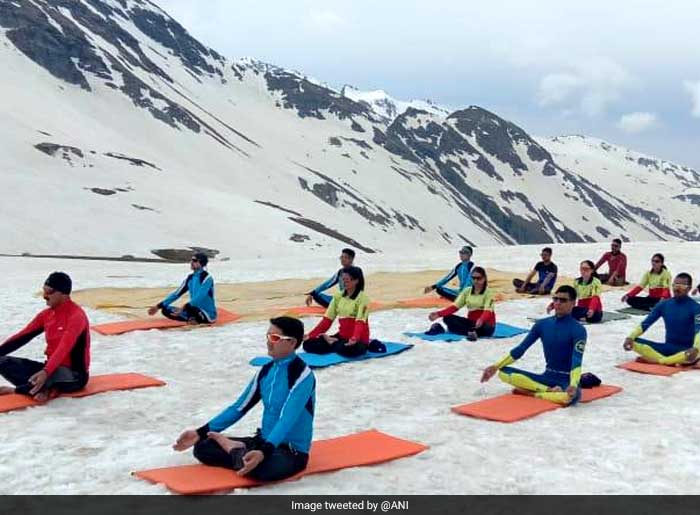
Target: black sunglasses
{"x":561,"y":299}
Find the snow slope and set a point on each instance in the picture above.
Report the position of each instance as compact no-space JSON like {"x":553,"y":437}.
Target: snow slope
{"x":640,"y":441}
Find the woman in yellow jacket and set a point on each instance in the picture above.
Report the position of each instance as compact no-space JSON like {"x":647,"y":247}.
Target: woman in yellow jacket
{"x":588,"y":288}
{"x":658,"y":280}
{"x":481,"y":316}
{"x":351,"y":306}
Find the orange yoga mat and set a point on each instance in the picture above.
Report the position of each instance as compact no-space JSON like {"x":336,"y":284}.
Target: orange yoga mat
{"x":654,"y":368}
{"x":114,"y":328}
{"x":97,"y":384}
{"x":300,"y":311}
{"x":425,"y":302}
{"x":512,"y":407}
{"x":355,"y":450}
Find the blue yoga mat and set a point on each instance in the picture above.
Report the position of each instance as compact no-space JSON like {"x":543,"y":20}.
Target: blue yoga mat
{"x":502,"y":331}
{"x":328,"y":360}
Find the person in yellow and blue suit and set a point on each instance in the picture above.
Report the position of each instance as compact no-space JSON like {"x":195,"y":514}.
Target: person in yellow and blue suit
{"x":681,"y":316}
{"x":564,"y":340}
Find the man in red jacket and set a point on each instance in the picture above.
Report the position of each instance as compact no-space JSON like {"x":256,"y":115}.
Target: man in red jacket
{"x":617,"y":265}
{"x":67,"y":333}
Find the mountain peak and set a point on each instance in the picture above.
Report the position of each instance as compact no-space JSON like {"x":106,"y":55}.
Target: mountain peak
{"x":388,"y":107}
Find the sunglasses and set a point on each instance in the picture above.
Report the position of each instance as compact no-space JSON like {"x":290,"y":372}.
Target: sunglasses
{"x":561,"y":300}
{"x":275,"y":338}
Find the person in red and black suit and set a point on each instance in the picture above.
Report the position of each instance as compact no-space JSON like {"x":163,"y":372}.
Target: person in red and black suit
{"x":617,"y":265}
{"x":67,"y":331}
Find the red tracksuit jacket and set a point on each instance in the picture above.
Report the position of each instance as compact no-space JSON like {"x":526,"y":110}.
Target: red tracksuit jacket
{"x":67,"y":333}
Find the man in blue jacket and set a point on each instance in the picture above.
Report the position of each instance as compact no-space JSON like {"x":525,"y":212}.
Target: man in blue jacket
{"x":201,"y":309}
{"x":563,"y":341}
{"x":463,"y":272}
{"x":347,"y":258}
{"x":287,"y":388}
{"x":681,"y":316}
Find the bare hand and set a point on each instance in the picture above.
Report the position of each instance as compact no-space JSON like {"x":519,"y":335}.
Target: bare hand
{"x":427,"y":289}
{"x":541,"y":290}
{"x":478,"y":324}
{"x":691,"y":355}
{"x":309,"y":300}
{"x":330,"y":340}
{"x":176,"y":312}
{"x":590,"y":313}
{"x":152,"y":310}
{"x":433,"y":316}
{"x":489,"y":372}
{"x":251,"y":460}
{"x":6,"y":390}
{"x":186,"y":440}
{"x":624,"y":298}
{"x":571,"y":391}
{"x":550,"y":307}
{"x":695,"y":291}
{"x":629,"y":344}
{"x":521,"y":289}
{"x":38,"y":380}
{"x":350,"y":342}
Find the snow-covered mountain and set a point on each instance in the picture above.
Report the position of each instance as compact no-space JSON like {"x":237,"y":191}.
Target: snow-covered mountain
{"x":653,"y":184}
{"x":387,"y":107}
{"x":122,"y":134}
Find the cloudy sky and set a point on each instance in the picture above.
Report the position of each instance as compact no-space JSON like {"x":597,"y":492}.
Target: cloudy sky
{"x":625,"y":71}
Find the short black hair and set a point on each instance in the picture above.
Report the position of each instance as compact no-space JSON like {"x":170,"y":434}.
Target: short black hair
{"x":569,"y":290}
{"x":202,"y":258}
{"x":348,"y":252}
{"x":618,"y":241}
{"x":290,"y":326}
{"x":686,"y":276}
{"x":548,"y":250}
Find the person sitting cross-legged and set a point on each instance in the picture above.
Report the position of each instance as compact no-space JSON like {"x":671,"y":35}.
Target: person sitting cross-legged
{"x":287,"y":388}
{"x":481,"y":317}
{"x":681,"y":316}
{"x":564,"y":340}
{"x":351,"y":307}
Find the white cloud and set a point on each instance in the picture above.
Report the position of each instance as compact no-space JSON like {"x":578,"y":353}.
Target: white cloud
{"x":693,"y":87}
{"x":634,"y":123}
{"x":589,"y":87}
{"x":323,"y":21}
{"x":558,"y":88}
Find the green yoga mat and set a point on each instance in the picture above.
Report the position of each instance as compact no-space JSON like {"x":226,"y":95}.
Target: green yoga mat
{"x":634,"y":311}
